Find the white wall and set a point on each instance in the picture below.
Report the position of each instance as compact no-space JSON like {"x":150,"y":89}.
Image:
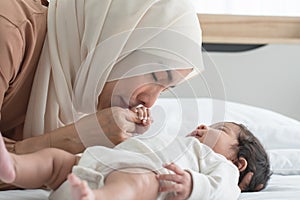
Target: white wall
{"x":267,"y":77}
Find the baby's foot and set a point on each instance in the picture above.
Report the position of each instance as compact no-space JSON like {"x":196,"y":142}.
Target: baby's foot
{"x":7,"y":171}
{"x":79,"y":189}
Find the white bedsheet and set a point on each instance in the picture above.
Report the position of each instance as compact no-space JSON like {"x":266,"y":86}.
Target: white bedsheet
{"x":24,"y":195}
{"x":279,"y":188}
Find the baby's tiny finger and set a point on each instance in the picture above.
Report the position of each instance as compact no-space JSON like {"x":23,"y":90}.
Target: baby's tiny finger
{"x":146,"y":113}
{"x":147,"y":122}
{"x":170,"y":177}
{"x":173,"y":167}
{"x":140,"y":113}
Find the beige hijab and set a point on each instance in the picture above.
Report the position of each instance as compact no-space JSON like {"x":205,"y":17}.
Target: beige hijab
{"x":90,"y":42}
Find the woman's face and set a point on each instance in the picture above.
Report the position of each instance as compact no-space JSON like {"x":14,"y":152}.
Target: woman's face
{"x":142,"y":89}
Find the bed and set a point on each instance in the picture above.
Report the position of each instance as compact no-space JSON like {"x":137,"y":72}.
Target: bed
{"x":279,"y":134}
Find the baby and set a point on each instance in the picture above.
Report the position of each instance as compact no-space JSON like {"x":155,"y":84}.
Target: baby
{"x":206,"y":164}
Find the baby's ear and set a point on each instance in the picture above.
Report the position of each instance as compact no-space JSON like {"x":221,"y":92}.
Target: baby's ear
{"x":242,"y":164}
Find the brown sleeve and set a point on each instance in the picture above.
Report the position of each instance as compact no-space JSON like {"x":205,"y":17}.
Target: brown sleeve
{"x":11,"y":53}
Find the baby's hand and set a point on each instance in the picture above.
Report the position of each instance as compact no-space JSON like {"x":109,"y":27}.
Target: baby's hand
{"x":182,"y":182}
{"x":143,"y":114}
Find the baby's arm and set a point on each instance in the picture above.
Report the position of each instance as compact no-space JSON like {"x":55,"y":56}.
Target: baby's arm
{"x":46,"y":167}
{"x":217,"y":183}
{"x":182,"y":180}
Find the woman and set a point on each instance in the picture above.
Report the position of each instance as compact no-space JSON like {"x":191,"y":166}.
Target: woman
{"x":99,"y":59}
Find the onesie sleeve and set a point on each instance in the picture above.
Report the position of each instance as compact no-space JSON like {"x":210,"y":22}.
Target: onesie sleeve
{"x":217,"y":180}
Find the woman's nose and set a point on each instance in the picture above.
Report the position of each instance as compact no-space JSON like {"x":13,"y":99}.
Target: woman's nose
{"x":148,"y":98}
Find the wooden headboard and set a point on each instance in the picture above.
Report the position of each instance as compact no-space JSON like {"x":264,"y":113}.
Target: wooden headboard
{"x":238,"y":29}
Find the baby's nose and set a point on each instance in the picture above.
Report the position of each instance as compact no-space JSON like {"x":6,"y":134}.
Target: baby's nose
{"x":202,"y":127}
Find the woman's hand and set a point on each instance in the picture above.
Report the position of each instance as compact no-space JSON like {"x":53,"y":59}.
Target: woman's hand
{"x":182,"y":182}
{"x":119,"y":124}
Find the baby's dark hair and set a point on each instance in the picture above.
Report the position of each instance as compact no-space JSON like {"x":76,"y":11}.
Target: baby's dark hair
{"x":252,"y":150}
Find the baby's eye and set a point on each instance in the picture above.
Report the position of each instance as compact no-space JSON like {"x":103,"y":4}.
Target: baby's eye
{"x":222,"y":129}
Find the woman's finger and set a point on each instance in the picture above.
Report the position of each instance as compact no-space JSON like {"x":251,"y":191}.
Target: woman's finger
{"x":133,"y":117}
{"x":133,"y":124}
{"x":140,"y":129}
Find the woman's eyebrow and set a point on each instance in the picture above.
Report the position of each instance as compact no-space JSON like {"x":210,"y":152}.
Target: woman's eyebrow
{"x":170,"y":77}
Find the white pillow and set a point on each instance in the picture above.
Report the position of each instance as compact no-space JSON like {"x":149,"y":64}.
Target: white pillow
{"x":180,"y":116}
{"x":280,"y":135}
{"x":277,"y":136}
{"x":285,"y":161}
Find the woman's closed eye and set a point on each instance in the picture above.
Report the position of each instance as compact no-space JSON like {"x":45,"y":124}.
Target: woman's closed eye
{"x":170,"y":87}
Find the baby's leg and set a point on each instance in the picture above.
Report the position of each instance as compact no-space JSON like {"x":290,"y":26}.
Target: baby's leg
{"x":48,"y":166}
{"x":134,"y":184}
{"x":79,"y":189}
{"x":118,"y":185}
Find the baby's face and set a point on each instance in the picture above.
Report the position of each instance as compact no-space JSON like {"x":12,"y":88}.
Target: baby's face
{"x":220,"y":137}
